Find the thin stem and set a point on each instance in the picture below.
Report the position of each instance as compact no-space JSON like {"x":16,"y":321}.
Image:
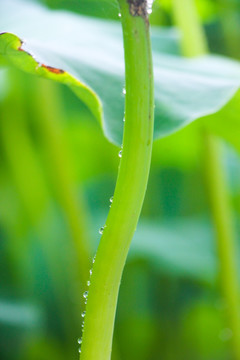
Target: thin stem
{"x":193,"y":45}
{"x":229,"y":19}
{"x":130,"y":187}
{"x":21,"y":157}
{"x":193,"y":41}
{"x":47,"y":105}
{"x":221,"y":210}
{"x":31,"y":187}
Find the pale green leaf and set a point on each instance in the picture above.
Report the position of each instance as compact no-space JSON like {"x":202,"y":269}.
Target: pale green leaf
{"x":87,"y":55}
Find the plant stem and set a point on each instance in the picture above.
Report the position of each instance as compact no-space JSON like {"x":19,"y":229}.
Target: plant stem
{"x":194,"y":42}
{"x":47,"y":105}
{"x":221,"y":210}
{"x":229,"y":19}
{"x":31,"y":187}
{"x":193,"y":45}
{"x":20,"y":155}
{"x":130,"y":188}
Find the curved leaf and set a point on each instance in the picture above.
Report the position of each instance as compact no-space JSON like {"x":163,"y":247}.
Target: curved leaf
{"x":12,"y":47}
{"x":87,"y":55}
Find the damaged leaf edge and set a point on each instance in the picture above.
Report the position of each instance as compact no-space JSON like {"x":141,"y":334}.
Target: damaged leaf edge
{"x":11,"y":47}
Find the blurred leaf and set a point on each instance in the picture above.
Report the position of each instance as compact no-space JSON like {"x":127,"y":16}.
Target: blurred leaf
{"x":99,"y":8}
{"x":185,"y":89}
{"x":41,"y":348}
{"x":20,"y":315}
{"x":4,"y":87}
{"x":226,"y":122}
{"x":85,"y":134}
{"x":181,"y":247}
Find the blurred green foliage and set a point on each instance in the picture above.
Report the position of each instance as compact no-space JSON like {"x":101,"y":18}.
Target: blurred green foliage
{"x":170,"y":306}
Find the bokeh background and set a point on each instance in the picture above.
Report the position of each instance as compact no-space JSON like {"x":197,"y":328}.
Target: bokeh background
{"x":57,"y":174}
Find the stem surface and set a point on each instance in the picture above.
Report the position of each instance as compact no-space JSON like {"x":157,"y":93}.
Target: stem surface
{"x":194,"y":44}
{"x":130,"y":188}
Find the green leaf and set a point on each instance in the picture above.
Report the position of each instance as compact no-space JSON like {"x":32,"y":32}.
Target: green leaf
{"x":20,"y":314}
{"x":4,"y":88}
{"x":87,"y":55}
{"x":225,"y":123}
{"x":178,"y":247}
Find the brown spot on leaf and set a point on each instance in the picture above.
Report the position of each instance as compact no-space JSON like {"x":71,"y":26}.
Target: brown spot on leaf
{"x":21,"y":44}
{"x":53,"y":69}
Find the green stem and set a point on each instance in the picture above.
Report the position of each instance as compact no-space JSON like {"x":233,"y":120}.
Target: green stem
{"x":229,"y":18}
{"x":194,"y":43}
{"x":21,"y":158}
{"x":13,"y":222}
{"x":30,"y":185}
{"x":47,"y":106}
{"x":130,"y":187}
{"x":221,"y":210}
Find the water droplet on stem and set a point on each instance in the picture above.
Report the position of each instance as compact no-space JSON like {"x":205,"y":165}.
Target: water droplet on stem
{"x":101,"y":230}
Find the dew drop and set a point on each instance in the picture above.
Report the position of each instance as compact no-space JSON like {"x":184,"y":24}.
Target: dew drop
{"x":119,"y":15}
{"x":120,"y":153}
{"x":149,"y":6}
{"x":90,"y":272}
{"x":94,"y":258}
{"x":83,"y":314}
{"x":124,"y":119}
{"x":124,"y":91}
{"x":79,"y":341}
{"x":101,"y":230}
{"x":85,"y":294}
{"x":88,"y":283}
{"x":79,"y":350}
{"x":111,"y":199}
{"x":83,"y":324}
